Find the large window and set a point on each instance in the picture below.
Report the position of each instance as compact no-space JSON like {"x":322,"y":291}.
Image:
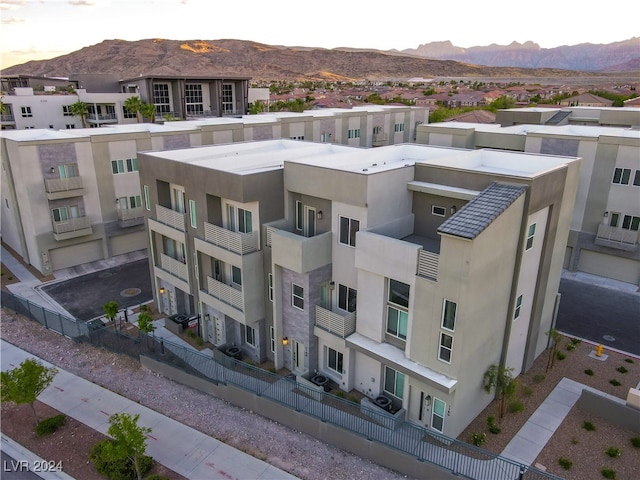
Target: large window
{"x":236,"y":275}
{"x":398,"y":309}
{"x":446,"y":347}
{"x":347,"y":298}
{"x":127,"y":165}
{"x":334,"y":360}
{"x":398,"y":127}
{"x":161,"y":98}
{"x":530,"y":234}
{"x":353,"y":133}
{"x":393,"y":382}
{"x":227,"y":98}
{"x":636,"y":178}
{"x":68,"y":170}
{"x":66,"y":111}
{"x":193,"y":99}
{"x":630,"y":222}
{"x":297,"y":296}
{"x":26,"y":112}
{"x":272,"y":339}
{"x":621,"y":176}
{"x":60,"y":214}
{"x":299,"y":215}
{"x":348,"y":229}
{"x":449,"y":315}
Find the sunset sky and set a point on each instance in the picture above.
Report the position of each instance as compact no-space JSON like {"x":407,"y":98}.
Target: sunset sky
{"x":40,"y":29}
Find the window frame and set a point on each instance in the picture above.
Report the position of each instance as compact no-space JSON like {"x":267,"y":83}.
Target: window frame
{"x":621,"y":176}
{"x":443,"y":325}
{"x":147,"y":200}
{"x":442,"y":347}
{"x":295,"y":296}
{"x":249,"y":336}
{"x":299,"y":212}
{"x":531,"y":233}
{"x":193,"y":214}
{"x":517,"y":308}
{"x":630,"y":222}
{"x":270,"y":286}
{"x":397,"y":375}
{"x":402,"y":315}
{"x":350,"y":228}
{"x":434,"y":212}
{"x":345,"y":296}
{"x":338,"y":362}
{"x":236,"y":275}
{"x":272,"y":338}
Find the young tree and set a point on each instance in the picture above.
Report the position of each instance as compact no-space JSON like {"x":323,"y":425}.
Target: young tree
{"x":134,"y":105}
{"x":110,"y":310}
{"x":80,"y":109}
{"x":148,"y":110}
{"x":24,"y":383}
{"x":129,"y":439}
{"x":500,"y":380}
{"x":145,"y":323}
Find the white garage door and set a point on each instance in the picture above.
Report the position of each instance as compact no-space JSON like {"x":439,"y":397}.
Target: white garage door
{"x":128,"y":243}
{"x":73,"y":255}
{"x":618,"y":268}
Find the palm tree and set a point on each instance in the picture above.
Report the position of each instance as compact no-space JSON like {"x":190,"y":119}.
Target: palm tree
{"x":134,"y":105}
{"x":148,"y":110}
{"x":80,"y":109}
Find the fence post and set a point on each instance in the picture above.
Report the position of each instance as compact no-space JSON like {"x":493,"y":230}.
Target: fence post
{"x":44,"y":317}
{"x":61,"y":324}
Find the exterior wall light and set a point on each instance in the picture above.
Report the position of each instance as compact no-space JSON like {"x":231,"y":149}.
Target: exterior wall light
{"x":319,"y":214}
{"x":162,"y":290}
{"x":454,"y":209}
{"x":285,"y":341}
{"x":427,"y":401}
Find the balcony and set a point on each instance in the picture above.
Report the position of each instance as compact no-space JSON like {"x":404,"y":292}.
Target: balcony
{"x":130,"y":217}
{"x":58,"y":188}
{"x":296,"y":252}
{"x":171,"y":218}
{"x":102,"y":118}
{"x":225,"y":293}
{"x":7,"y":118}
{"x":236,"y":242}
{"x":337,"y":323}
{"x":615,"y":237}
{"x":174,"y":267}
{"x":72,"y":228}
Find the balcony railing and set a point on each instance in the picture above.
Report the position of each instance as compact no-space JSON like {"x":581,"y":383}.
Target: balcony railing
{"x":71,"y":228}
{"x":270,"y":231}
{"x":7,"y":118}
{"x":339,"y":324}
{"x":56,"y":185}
{"x":130,"y":213}
{"x":380,"y":139}
{"x":225,"y":293}
{"x":237,"y":242}
{"x":615,"y":237}
{"x":428,"y":264}
{"x":102,"y":117}
{"x":174,"y":267}
{"x":170,"y":217}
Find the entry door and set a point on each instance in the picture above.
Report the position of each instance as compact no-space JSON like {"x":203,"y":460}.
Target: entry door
{"x":309,"y":221}
{"x":297,"y":353}
{"x":219,"y":331}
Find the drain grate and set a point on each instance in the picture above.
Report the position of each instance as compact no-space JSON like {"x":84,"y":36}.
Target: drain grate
{"x":130,"y":292}
{"x":609,"y":338}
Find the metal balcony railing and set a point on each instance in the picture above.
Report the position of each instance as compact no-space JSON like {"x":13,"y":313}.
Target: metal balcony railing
{"x":237,"y":242}
{"x":174,"y":267}
{"x":54,"y":185}
{"x":225,"y":293}
{"x":340,"y":324}
{"x":72,"y":225}
{"x":170,"y":217}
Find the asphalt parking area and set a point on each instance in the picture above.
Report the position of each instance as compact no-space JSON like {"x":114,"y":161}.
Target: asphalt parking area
{"x":83,"y":297}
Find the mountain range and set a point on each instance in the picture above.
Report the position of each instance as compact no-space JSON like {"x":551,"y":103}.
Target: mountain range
{"x":269,"y":62}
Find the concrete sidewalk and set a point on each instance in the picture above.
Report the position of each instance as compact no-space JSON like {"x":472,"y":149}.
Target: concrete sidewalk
{"x":176,"y":446}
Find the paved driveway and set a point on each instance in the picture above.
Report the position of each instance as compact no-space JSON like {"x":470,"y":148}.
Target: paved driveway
{"x":84,"y":296}
{"x":600,"y":314}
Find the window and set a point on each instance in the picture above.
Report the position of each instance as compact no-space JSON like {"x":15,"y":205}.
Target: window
{"x":66,"y":111}
{"x":124,"y":166}
{"x":299,"y":215}
{"x":297,"y":137}
{"x":353,"y":133}
{"x":334,"y":360}
{"x":437,"y":415}
{"x":192,"y":213}
{"x":636,"y":179}
{"x":193,"y":99}
{"x":147,"y":199}
{"x":68,"y":170}
{"x":126,"y":113}
{"x":227,"y":98}
{"x":439,"y":211}
{"x":398,"y":127}
{"x":117,"y":166}
{"x":530,"y":235}
{"x":244,"y":221}
{"x":132,"y":164}
{"x":393,"y":382}
{"x":26,"y":112}
{"x":449,"y":315}
{"x":516,"y":312}
{"x":236,"y":275}
{"x":614,"y":219}
{"x":377,"y":130}
{"x":69,"y":126}
{"x":272,"y":339}
{"x":446,"y":347}
{"x":621,"y":176}
{"x":270,"y":282}
{"x":630,"y":222}
{"x":348,"y":229}
{"x":135,"y":201}
{"x":397,"y":309}
{"x":249,"y":336}
{"x":347,"y":298}
{"x":60,"y":214}
{"x":325,"y":137}
{"x":161,"y":98}
{"x":297,"y":296}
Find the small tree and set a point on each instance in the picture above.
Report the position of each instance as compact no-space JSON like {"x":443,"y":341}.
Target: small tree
{"x":110,"y":310}
{"x":80,"y":109}
{"x":148,"y":110}
{"x":500,"y":380}
{"x":555,"y":337}
{"x":129,"y":439}
{"x":24,"y":383}
{"x":134,"y":105}
{"x":145,"y":323}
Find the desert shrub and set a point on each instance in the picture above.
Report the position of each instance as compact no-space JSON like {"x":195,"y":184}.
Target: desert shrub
{"x":516,"y":406}
{"x":574,"y":441}
{"x":560,"y":355}
{"x":571,"y":346}
{"x":629,"y":360}
{"x":635,"y":441}
{"x":608,"y":473}
{"x":120,"y":468}
{"x":589,"y":372}
{"x":575,"y":341}
{"x":50,"y":425}
{"x":478,"y":438}
{"x":191,"y":334}
{"x":491,"y":424}
{"x":622,"y":369}
{"x":615,"y":382}
{"x":565,"y":463}
{"x":588,"y":426}
{"x":272,"y":369}
{"x":527,"y":391}
{"x":539,"y":378}
{"x":613,"y":452}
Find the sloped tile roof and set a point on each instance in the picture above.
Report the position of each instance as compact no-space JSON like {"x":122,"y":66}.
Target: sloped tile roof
{"x":471,"y":220}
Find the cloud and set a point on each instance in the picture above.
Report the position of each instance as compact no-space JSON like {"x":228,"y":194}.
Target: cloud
{"x":11,"y":20}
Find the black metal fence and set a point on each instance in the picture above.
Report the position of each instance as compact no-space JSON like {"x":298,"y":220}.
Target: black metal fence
{"x":367,"y":421}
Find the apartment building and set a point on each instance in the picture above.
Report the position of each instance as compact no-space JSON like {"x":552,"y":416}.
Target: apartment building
{"x":605,"y":226}
{"x":403,"y":272}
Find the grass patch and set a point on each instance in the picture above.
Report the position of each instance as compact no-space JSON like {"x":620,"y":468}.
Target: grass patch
{"x":613,"y":452}
{"x":589,"y":372}
{"x":608,"y":473}
{"x":615,"y":382}
{"x":50,"y":425}
{"x":565,"y":463}
{"x":538,"y":378}
{"x":622,"y":370}
{"x":491,"y":424}
{"x":516,"y":406}
{"x":588,"y":426}
{"x":527,"y":391}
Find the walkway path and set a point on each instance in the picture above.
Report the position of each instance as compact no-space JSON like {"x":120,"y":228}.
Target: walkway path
{"x":176,"y":446}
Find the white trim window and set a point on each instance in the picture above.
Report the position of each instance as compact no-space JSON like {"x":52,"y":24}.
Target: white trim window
{"x":621,"y":176}
{"x":449,"y":309}
{"x":516,"y":311}
{"x":26,"y":112}
{"x":398,"y":127}
{"x":193,"y":99}
{"x":227,"y":98}
{"x":347,"y":298}
{"x":161,"y":98}
{"x":66,"y":111}
{"x":335,"y":360}
{"x":299,"y":215}
{"x":393,"y":382}
{"x":437,"y":415}
{"x":397,"y":309}
{"x":530,"y":234}
{"x":236,"y":275}
{"x":272,"y":339}
{"x":630,"y":222}
{"x":297,"y":296}
{"x":636,"y":179}
{"x":353,"y":133}
{"x":147,"y":198}
{"x":249,"y":335}
{"x":126,"y":165}
{"x":439,"y":211}
{"x":270,"y":286}
{"x":446,"y":347}
{"x":193,"y":214}
{"x":348,"y":229}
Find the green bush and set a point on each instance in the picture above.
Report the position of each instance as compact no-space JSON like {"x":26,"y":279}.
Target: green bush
{"x":565,"y":463}
{"x":516,"y":406}
{"x":589,"y":372}
{"x":635,"y":441}
{"x":613,"y":452}
{"x":571,"y":346}
{"x":560,"y":355}
{"x":50,"y":425}
{"x":478,"y":438}
{"x":615,"y":382}
{"x":608,"y":473}
{"x":629,"y":360}
{"x":588,"y":426}
{"x":491,"y":424}
{"x":622,"y":369}
{"x":575,"y":341}
{"x":118,"y":469}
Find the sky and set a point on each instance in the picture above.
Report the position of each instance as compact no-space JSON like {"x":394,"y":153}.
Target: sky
{"x":42,"y":29}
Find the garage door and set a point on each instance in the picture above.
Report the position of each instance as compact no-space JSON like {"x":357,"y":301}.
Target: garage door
{"x":623,"y":269}
{"x":66,"y":257}
{"x":128,"y":243}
